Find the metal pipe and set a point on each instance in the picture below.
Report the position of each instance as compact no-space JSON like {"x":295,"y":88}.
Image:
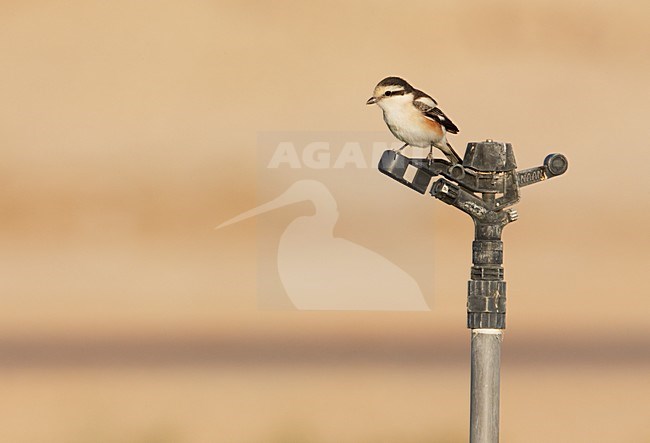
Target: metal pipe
{"x":485,"y":382}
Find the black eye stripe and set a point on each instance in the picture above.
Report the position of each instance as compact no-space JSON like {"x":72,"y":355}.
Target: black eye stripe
{"x":391,"y":93}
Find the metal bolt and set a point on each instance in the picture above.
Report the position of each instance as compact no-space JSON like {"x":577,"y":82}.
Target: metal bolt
{"x":513,"y":215}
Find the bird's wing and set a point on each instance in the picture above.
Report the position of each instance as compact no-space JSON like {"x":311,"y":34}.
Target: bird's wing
{"x":430,"y":110}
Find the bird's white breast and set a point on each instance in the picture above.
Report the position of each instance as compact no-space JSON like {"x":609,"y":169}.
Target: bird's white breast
{"x":407,"y":123}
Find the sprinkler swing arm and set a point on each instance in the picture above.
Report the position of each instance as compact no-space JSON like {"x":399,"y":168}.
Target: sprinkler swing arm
{"x":488,"y":167}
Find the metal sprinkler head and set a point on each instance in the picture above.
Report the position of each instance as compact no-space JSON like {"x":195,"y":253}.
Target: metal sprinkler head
{"x":484,"y":186}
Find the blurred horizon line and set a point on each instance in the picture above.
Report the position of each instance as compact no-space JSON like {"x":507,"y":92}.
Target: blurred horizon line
{"x":206,"y":350}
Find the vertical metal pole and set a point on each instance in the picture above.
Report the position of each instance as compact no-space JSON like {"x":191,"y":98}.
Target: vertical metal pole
{"x":484,"y":397}
{"x":486,"y":315}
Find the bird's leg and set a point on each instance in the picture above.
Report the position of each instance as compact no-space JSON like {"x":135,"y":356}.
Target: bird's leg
{"x":430,"y":156}
{"x":397,"y":151}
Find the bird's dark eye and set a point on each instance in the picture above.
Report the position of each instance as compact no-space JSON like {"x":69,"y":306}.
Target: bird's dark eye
{"x":388,"y":93}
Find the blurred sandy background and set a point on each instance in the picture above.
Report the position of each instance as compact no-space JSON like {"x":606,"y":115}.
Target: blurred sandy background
{"x":129,"y":131}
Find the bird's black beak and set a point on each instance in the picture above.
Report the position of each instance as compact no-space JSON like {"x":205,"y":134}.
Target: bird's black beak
{"x":371,"y":101}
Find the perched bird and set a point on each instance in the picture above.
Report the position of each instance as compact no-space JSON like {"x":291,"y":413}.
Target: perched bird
{"x":414,"y":117}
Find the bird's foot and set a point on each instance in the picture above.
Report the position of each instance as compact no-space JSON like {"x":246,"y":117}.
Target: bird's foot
{"x":399,"y":150}
{"x":430,"y":156}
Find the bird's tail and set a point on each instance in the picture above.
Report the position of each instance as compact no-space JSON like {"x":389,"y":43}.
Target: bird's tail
{"x":453,"y":153}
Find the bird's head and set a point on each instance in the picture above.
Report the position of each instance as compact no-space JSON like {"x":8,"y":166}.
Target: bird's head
{"x":390,"y":90}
